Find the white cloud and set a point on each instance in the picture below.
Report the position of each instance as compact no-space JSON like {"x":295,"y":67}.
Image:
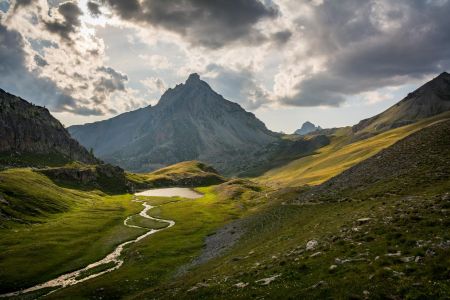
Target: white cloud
{"x":156,"y":61}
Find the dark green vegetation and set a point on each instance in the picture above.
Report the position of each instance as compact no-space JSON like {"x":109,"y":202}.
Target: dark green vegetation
{"x":48,"y":230}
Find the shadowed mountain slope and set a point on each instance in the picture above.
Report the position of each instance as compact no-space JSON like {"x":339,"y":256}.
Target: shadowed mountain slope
{"x":29,"y":132}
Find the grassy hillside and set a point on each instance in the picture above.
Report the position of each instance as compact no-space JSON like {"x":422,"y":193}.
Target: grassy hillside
{"x":385,"y":237}
{"x":341,"y":154}
{"x":188,"y":173}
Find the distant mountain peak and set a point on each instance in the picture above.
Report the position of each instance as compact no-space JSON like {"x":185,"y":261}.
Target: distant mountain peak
{"x":306,"y":128}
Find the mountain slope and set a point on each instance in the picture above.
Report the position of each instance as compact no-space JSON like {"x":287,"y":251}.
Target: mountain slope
{"x":191,"y":121}
{"x":426,"y":151}
{"x":430,"y":99}
{"x":28,"y":131}
{"x":342,"y":153}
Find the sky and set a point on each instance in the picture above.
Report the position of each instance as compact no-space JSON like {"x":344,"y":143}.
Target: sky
{"x":288,"y":61}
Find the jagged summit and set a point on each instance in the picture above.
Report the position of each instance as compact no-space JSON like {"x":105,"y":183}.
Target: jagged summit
{"x":194,"y":77}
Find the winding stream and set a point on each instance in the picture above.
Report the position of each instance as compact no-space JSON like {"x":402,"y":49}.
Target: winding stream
{"x":114,"y":258}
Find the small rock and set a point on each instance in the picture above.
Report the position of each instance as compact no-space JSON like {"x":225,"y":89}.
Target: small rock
{"x":320,"y":283}
{"x":241,"y":284}
{"x":198,"y":285}
{"x":311,"y":245}
{"x":398,"y":253}
{"x":3,"y":200}
{"x":266,"y":281}
{"x":363,"y":220}
{"x":418,"y":259}
{"x":316,"y":254}
{"x":192,"y":289}
{"x":407,"y":259}
{"x":332,"y":267}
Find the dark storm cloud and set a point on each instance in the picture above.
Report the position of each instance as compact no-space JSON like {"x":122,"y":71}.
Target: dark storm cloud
{"x":94,"y":8}
{"x":41,"y":62}
{"x":115,"y":81}
{"x":237,"y":85}
{"x":369,"y":47}
{"x":71,"y":14}
{"x":282,"y":37}
{"x":21,"y":3}
{"x":17,"y":79}
{"x":203,"y":22}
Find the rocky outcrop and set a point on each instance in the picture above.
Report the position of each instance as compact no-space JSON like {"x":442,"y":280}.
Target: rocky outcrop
{"x":30,"y":129}
{"x":105,"y":177}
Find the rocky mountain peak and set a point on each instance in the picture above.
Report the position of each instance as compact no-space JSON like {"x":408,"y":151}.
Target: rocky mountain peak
{"x":190,"y":122}
{"x":306,"y":128}
{"x":194,"y":77}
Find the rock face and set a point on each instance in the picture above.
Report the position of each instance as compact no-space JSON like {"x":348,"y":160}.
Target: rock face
{"x":29,"y":129}
{"x":306,"y":128}
{"x":105,"y":177}
{"x":190,"y":122}
{"x":430,"y":99}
